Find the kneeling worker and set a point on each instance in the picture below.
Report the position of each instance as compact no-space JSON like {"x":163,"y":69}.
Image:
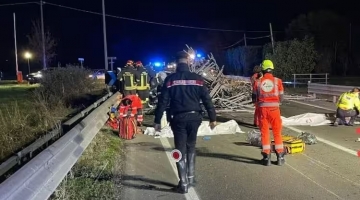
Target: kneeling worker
{"x":267,"y":94}
{"x":348,"y":105}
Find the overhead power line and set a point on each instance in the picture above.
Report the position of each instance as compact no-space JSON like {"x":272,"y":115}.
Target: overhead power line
{"x":16,"y":4}
{"x":151,"y":22}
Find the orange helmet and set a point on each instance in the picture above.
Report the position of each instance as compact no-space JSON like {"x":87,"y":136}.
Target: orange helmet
{"x":129,"y":62}
{"x":138,"y":63}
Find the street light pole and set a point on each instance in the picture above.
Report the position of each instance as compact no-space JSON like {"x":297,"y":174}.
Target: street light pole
{"x":28,"y":55}
{"x":105,"y":42}
{"x":29,"y":64}
{"x":42,"y":35}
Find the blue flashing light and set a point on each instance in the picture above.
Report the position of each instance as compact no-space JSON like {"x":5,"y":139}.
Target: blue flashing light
{"x":198,"y":55}
{"x":157,"y":64}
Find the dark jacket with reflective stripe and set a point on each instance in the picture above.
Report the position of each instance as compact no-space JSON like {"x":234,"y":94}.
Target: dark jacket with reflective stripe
{"x":184,"y":90}
{"x":142,"y":78}
{"x":128,"y":78}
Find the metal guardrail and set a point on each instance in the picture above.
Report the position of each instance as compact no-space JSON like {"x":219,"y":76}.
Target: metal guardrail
{"x":39,"y":178}
{"x":57,"y":132}
{"x":332,"y":90}
{"x":304,"y":78}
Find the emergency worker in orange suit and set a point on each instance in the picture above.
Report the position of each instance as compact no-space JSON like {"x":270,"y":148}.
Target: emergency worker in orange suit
{"x":257,"y":75}
{"x":268,"y":93}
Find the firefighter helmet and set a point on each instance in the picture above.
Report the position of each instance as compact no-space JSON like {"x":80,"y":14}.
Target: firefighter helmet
{"x":129,"y":62}
{"x":138,"y":64}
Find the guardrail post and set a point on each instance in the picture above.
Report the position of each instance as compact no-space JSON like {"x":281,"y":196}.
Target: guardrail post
{"x":334,"y":99}
{"x":326,"y":78}
{"x":310,"y":78}
{"x":294,"y":80}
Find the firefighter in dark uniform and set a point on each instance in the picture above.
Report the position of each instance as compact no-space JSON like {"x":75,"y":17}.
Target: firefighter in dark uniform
{"x":127,"y":77}
{"x":143,"y":87}
{"x":184,"y":90}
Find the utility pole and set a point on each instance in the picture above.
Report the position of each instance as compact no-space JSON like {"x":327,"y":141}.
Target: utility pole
{"x":112,"y":62}
{"x":245,"y":39}
{"x":43,"y":35}
{"x":105,"y":42}
{"x":350,"y":39}
{"x":16,"y":54}
{"x":272,"y":38}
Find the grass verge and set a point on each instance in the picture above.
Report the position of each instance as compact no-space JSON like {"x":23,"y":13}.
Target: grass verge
{"x":97,"y":173}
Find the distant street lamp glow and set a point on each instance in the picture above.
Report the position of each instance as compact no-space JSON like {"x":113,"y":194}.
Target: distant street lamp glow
{"x":192,"y":56}
{"x":28,"y":56}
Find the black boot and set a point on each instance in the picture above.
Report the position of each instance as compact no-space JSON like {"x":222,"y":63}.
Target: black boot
{"x":182,"y":172}
{"x":266,"y":159}
{"x":191,"y":168}
{"x":280,"y":158}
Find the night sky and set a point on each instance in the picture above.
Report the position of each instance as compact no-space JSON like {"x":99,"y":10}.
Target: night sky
{"x":80,"y":34}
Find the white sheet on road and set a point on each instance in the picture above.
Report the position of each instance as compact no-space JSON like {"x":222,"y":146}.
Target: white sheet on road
{"x":307,"y":119}
{"x":229,"y":127}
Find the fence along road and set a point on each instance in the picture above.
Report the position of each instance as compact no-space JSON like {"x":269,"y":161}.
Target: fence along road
{"x":39,"y":178}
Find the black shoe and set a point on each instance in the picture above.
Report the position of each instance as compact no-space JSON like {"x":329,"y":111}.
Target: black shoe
{"x":280,"y":158}
{"x":191,"y":168}
{"x":182,"y":172}
{"x":266,"y":159}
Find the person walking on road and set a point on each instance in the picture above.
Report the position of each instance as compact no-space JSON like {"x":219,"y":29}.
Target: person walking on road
{"x":348,"y":105}
{"x":127,"y":77}
{"x":184,"y":90}
{"x":257,"y":75}
{"x":268,"y":93}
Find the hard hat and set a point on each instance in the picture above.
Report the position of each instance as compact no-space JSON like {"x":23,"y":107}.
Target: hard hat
{"x":130,"y":62}
{"x":138,"y":63}
{"x":266,"y":65}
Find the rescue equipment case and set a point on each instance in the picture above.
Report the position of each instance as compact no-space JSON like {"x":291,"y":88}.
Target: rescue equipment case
{"x":291,"y":144}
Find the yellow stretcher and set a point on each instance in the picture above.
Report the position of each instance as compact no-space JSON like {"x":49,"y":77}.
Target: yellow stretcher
{"x":291,"y":144}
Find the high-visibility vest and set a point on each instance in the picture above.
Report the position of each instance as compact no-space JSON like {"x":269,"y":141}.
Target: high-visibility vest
{"x":143,"y":81}
{"x":128,"y":79}
{"x":348,"y":101}
{"x":268,"y":91}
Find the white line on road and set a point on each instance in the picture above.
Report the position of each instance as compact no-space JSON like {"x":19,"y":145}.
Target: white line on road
{"x":315,"y":106}
{"x":191,"y":195}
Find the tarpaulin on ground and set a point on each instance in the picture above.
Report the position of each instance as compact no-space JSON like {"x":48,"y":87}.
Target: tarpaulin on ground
{"x":307,"y":119}
{"x":229,"y":127}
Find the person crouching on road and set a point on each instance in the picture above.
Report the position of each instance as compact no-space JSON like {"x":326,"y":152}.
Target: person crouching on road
{"x":184,"y":90}
{"x":257,"y":75}
{"x":348,"y":105}
{"x":127,"y":77}
{"x":268,"y":93}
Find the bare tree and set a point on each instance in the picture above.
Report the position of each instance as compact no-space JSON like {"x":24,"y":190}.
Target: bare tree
{"x":35,"y":43}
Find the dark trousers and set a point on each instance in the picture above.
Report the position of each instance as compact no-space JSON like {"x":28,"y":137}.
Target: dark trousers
{"x":129,"y":92}
{"x":185,"y":127}
{"x":341,"y":114}
{"x":143,"y":95}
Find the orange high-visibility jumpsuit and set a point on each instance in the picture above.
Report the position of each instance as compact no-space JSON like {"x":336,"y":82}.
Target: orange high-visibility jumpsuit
{"x":253,"y":79}
{"x":269,"y":91}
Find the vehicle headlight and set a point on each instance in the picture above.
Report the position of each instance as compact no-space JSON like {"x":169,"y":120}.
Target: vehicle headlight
{"x":38,"y":75}
{"x":90,"y":76}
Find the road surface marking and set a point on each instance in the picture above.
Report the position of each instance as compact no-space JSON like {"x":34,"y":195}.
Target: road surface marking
{"x":347,"y":150}
{"x":328,"y":168}
{"x":310,"y":179}
{"x":315,"y":106}
{"x":191,"y":195}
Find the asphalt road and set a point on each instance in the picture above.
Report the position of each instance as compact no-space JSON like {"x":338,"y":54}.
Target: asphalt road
{"x":227,"y":168}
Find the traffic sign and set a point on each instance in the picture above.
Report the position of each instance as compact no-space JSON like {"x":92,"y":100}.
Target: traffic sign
{"x":112,"y":80}
{"x":176,"y":154}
